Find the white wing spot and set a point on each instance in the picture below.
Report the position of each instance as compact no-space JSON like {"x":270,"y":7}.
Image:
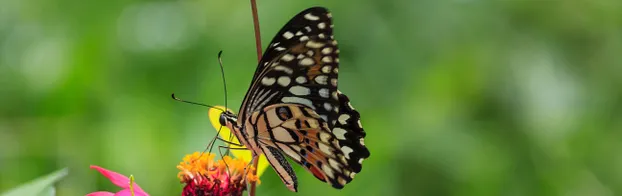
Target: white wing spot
{"x":346,"y":151}
{"x":275,"y":44}
{"x":300,"y":56}
{"x":304,"y":38}
{"x":352,"y":174}
{"x":299,"y":33}
{"x":306,"y":61}
{"x":332,"y":26}
{"x":326,"y":69}
{"x":362,"y":141}
{"x":340,"y":133}
{"x":337,"y":60}
{"x":308,"y":28}
{"x":343,"y":118}
{"x":321,"y":79}
{"x":322,"y":36}
{"x":299,"y":100}
{"x":336,"y":70}
{"x":324,"y":148}
{"x":310,"y":53}
{"x":288,"y":35}
{"x":333,"y":164}
{"x":336,"y":110}
{"x":321,"y":25}
{"x":323,"y":92}
{"x":329,"y":15}
{"x":287,"y":57}
{"x":342,"y":158}
{"x":337,"y":51}
{"x":334,"y":82}
{"x":327,"y":50}
{"x":284,"y":69}
{"x":279,"y":48}
{"x":283,"y":81}
{"x":327,"y":59}
{"x":328,"y":171}
{"x":328,"y":106}
{"x":300,"y":90}
{"x":350,"y":106}
{"x":267,"y":81}
{"x":310,"y":16}
{"x":359,"y":123}
{"x":335,"y":95}
{"x":361,"y":161}
{"x":312,"y":44}
{"x":301,"y":79}
{"x":325,"y":137}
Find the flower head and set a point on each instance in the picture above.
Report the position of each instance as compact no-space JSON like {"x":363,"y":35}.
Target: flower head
{"x":129,"y":187}
{"x":204,"y":176}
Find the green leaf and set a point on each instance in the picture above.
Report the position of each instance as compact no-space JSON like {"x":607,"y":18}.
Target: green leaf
{"x":42,"y":186}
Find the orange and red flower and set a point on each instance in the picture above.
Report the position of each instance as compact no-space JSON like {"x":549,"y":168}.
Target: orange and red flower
{"x":204,"y":176}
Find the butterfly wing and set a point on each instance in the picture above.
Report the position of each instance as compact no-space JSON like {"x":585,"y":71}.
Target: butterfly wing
{"x":300,"y":69}
{"x":299,"y":66}
{"x":304,"y":136}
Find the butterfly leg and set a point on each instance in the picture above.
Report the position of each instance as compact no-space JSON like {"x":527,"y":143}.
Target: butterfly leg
{"x":229,"y":142}
{"x":217,"y":137}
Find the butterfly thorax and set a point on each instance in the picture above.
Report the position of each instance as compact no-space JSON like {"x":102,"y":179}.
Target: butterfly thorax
{"x":229,"y":120}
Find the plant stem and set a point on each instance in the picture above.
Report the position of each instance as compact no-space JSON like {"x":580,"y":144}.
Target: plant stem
{"x":257,"y":31}
{"x":253,"y":188}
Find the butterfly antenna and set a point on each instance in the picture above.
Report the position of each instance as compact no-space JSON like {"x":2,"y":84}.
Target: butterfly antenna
{"x":224,"y":83}
{"x":194,"y":103}
{"x":222,"y":72}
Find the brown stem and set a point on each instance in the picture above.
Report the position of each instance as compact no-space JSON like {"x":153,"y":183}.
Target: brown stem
{"x":257,"y":32}
{"x":253,"y":188}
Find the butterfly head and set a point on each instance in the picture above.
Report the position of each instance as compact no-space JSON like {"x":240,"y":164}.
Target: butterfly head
{"x":228,"y":117}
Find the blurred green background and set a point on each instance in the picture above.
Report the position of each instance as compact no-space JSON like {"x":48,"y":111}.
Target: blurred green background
{"x":460,"y":97}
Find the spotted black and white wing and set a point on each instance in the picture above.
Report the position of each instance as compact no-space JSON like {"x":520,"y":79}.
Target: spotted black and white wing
{"x":300,"y":69}
{"x":299,"y":66}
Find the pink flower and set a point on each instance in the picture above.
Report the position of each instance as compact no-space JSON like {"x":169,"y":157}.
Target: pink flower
{"x":119,"y":180}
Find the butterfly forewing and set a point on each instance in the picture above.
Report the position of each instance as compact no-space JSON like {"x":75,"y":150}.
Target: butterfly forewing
{"x":299,"y":66}
{"x":293,"y":105}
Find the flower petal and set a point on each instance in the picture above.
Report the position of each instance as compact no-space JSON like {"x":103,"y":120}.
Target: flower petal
{"x":100,"y":193}
{"x":117,"y":179}
{"x":225,"y":133}
{"x":126,"y":192}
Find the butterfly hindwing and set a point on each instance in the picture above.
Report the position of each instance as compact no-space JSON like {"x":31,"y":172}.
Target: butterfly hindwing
{"x":304,"y":136}
{"x":349,"y":132}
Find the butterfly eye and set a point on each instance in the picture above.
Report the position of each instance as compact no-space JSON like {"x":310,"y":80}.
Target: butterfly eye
{"x":223,"y":119}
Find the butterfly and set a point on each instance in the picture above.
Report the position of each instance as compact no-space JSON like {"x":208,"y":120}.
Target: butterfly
{"x":293,"y":107}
